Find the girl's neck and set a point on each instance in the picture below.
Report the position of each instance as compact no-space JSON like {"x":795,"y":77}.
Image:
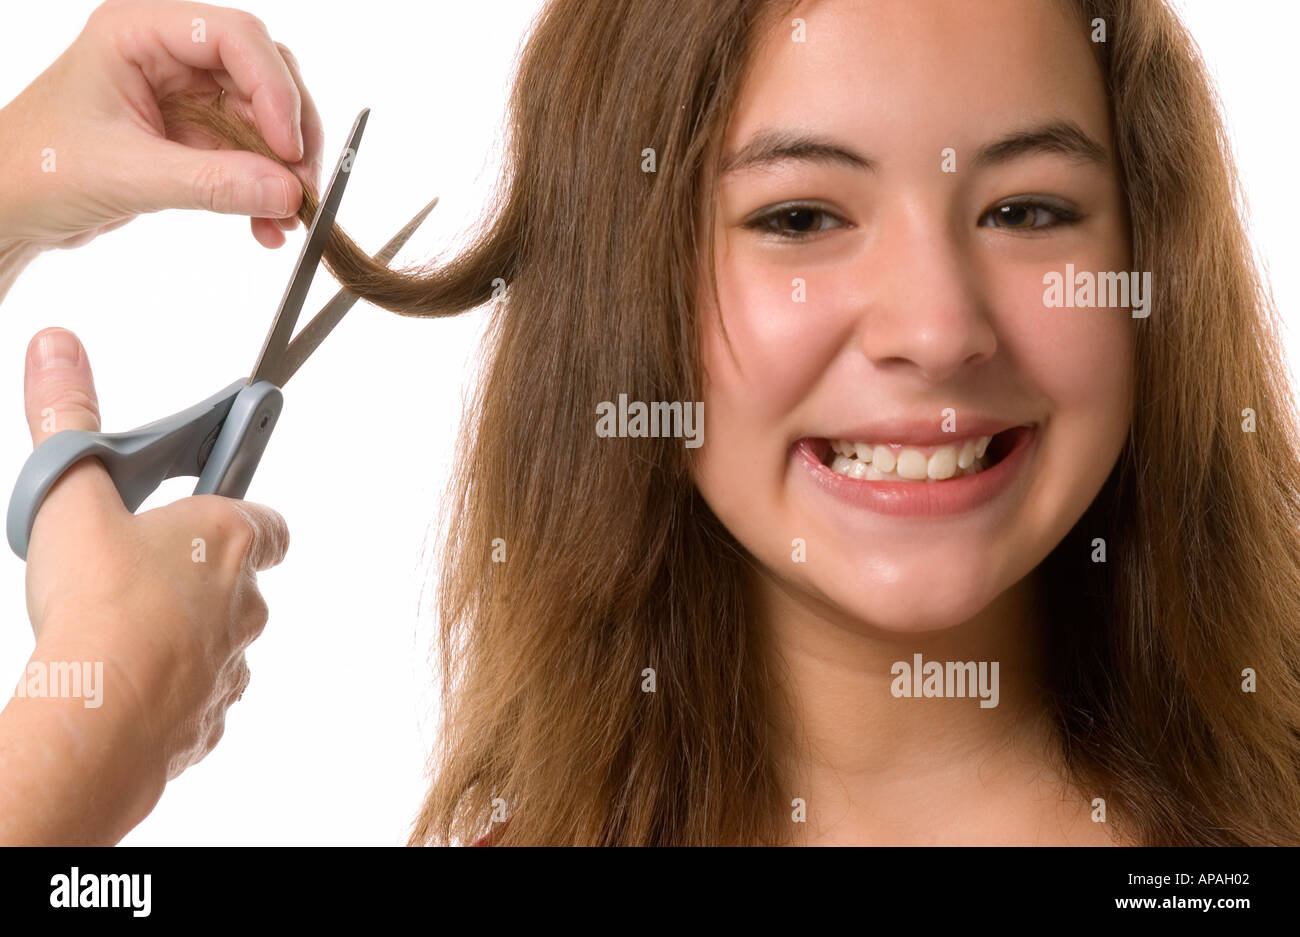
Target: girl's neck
{"x":900,"y":737}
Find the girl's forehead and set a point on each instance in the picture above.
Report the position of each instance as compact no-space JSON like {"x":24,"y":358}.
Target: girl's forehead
{"x":884,"y":70}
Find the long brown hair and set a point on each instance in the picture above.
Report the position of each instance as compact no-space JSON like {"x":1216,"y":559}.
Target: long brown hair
{"x":601,"y":675}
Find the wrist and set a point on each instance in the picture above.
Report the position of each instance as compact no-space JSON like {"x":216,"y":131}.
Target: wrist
{"x":74,"y":731}
{"x":122,"y":723}
{"x":14,"y":256}
{"x":15,"y":249}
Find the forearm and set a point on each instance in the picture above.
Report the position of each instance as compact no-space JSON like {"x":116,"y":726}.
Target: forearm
{"x":71,"y":774}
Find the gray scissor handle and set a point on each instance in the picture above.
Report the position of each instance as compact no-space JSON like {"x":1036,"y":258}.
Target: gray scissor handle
{"x":220,"y":440}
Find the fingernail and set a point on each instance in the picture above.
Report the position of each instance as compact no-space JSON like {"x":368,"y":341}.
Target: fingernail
{"x":273,"y":195}
{"x":58,"y":349}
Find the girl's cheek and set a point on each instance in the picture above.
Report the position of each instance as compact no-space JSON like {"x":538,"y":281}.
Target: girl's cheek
{"x":1079,"y":358}
{"x":775,"y":350}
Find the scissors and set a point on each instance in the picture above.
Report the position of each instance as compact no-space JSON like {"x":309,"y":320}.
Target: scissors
{"x":219,"y":440}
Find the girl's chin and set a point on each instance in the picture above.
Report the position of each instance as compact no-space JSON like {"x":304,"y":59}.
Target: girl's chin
{"x":903,"y":622}
{"x":905,"y":609}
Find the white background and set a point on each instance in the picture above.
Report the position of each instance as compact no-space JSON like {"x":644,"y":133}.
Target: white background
{"x":328,"y":745}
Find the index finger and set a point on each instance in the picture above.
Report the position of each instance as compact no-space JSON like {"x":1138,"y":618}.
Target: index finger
{"x":210,"y":37}
{"x":313,"y":131}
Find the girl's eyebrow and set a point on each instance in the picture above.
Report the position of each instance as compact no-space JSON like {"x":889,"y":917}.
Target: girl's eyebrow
{"x":771,"y":146}
{"x":1058,"y":136}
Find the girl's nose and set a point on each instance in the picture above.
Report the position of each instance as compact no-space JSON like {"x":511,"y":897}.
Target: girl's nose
{"x":925,"y":310}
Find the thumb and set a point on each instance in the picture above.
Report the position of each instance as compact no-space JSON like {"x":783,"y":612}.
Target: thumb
{"x":58,"y":388}
{"x":232,"y":182}
{"x":59,"y":394}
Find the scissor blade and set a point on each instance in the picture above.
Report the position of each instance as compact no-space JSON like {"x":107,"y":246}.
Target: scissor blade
{"x":315,"y":331}
{"x":295,"y":294}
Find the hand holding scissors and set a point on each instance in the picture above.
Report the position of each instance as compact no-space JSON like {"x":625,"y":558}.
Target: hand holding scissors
{"x":219,"y":440}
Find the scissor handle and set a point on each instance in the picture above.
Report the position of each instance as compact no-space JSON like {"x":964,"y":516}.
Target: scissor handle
{"x":220,"y":440}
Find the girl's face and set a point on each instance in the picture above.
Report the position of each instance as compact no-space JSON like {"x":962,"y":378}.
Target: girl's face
{"x":902,"y":176}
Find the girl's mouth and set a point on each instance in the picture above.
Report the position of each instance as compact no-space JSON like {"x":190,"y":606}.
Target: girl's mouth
{"x":910,"y":479}
{"x":895,"y":462}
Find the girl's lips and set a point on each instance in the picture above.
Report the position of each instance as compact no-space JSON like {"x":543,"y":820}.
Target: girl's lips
{"x":925,"y":498}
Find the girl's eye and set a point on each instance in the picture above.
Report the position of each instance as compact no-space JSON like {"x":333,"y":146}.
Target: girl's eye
{"x":794,"y":222}
{"x":1029,"y":215}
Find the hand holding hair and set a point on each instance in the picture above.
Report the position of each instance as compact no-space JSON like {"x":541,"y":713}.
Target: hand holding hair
{"x":84,"y":149}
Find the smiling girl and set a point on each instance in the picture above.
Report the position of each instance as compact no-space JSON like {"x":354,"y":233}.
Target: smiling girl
{"x":916,"y":197}
{"x":954,"y":564}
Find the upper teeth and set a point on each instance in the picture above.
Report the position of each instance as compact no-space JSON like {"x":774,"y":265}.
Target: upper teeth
{"x":877,"y":461}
